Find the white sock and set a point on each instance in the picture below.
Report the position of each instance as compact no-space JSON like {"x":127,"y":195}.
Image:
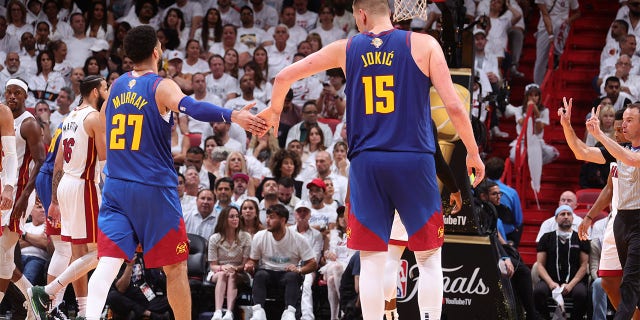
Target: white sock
{"x":58,"y":298}
{"x":82,"y":306}
{"x":388,"y":315}
{"x":99,"y":285}
{"x":23,"y":284}
{"x":371,"y":291}
{"x":430,"y":283}
{"x":1,"y":296}
{"x":75,"y":270}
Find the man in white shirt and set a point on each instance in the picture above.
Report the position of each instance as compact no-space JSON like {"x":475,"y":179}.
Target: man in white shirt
{"x":278,"y":256}
{"x":247,"y":85}
{"x":302,"y":215}
{"x":219,"y":83}
{"x":78,"y":45}
{"x":343,"y":18}
{"x":327,"y":30}
{"x":305,"y":18}
{"x":190,"y":125}
{"x":202,"y":222}
{"x":187,"y":202}
{"x":63,"y":103}
{"x":309,"y":117}
{"x":221,"y":130}
{"x":250,"y":34}
{"x":322,"y":217}
{"x":28,"y":54}
{"x":228,"y":14}
{"x":295,"y":32}
{"x":264,"y":16}
{"x":240,"y":182}
{"x":11,"y":70}
{"x":281,"y":52}
{"x":323,"y":167}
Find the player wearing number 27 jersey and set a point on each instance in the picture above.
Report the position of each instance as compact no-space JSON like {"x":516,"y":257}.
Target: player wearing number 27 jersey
{"x":140,"y":188}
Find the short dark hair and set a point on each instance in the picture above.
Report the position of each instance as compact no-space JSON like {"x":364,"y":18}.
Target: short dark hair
{"x":280,"y":210}
{"x":224,"y":179}
{"x":611,"y":79}
{"x":494,"y":167}
{"x":196,"y":150}
{"x":484,"y":186}
{"x":620,"y":114}
{"x":286,"y":182}
{"x":140,"y":42}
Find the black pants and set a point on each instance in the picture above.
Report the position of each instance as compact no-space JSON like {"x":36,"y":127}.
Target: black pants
{"x":579,"y":295}
{"x":264,"y":279}
{"x":521,"y":283}
{"x":134,"y":300}
{"x":626,"y":229}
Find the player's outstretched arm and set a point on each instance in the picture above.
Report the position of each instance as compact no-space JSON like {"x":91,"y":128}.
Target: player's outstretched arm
{"x":170,"y":97}
{"x":330,"y":56}
{"x":579,"y":148}
{"x":9,"y":175}
{"x":616,"y":150}
{"x":428,"y":55}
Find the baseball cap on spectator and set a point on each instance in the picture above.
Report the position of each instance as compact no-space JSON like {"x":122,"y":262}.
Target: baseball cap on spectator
{"x":563,"y":208}
{"x":240,"y":176}
{"x":100,"y":45}
{"x":302,"y":204}
{"x":318,"y":183}
{"x":175,"y":55}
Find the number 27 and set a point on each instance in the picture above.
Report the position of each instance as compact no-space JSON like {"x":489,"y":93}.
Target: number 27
{"x":120,"y":123}
{"x":383,"y":89}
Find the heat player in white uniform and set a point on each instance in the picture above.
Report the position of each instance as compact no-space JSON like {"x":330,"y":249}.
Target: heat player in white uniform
{"x":29,"y":151}
{"x":75,"y":193}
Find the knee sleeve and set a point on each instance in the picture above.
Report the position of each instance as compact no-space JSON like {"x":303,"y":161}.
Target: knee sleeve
{"x":390,"y":280}
{"x":60,"y":258}
{"x":430,"y":283}
{"x":8,"y":242}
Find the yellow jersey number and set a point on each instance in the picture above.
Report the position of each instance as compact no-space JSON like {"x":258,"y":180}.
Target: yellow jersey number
{"x":381,"y":87}
{"x":120,"y":123}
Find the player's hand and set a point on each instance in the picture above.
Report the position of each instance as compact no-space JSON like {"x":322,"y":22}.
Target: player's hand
{"x":474,"y":162}
{"x":54,"y":213}
{"x":272,"y":119}
{"x":593,"y":124}
{"x":564,"y":113}
{"x":248,"y":121}
{"x":583,"y":229}
{"x":6,"y":198}
{"x":509,"y":266}
{"x":20,"y":207}
{"x":455,"y":200}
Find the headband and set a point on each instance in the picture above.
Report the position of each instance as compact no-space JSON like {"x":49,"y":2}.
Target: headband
{"x":18,"y":82}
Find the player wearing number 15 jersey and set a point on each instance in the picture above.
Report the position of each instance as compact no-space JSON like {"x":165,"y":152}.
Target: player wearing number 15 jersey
{"x":390,"y":141}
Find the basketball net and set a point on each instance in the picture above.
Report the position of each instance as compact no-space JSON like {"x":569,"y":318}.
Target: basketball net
{"x":409,"y":9}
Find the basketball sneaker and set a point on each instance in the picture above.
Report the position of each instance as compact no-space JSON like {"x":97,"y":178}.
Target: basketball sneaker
{"x":40,"y":301}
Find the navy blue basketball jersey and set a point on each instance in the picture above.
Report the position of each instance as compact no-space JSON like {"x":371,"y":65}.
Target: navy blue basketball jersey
{"x":387,"y":95}
{"x":138,"y":137}
{"x":50,"y":160}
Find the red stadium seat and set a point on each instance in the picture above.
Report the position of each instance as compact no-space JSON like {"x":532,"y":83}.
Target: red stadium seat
{"x":586,"y":197}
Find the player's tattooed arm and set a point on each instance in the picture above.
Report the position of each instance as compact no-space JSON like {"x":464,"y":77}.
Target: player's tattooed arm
{"x":57,"y":176}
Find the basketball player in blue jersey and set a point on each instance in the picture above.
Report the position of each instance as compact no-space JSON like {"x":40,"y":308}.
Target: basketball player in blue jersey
{"x":389,"y":73}
{"x":140,"y":198}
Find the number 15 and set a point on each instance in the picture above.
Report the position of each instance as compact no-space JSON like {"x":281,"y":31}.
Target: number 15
{"x":383,"y":89}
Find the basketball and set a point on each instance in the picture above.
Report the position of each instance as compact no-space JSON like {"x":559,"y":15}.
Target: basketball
{"x":446,"y":130}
